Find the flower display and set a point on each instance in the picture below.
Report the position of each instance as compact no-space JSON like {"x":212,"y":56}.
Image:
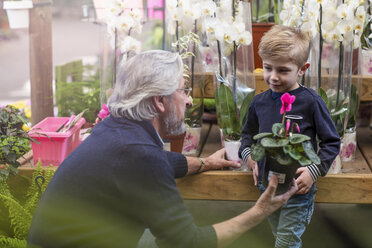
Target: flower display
{"x":122,"y":24}
{"x":229,"y":30}
{"x":335,"y":29}
{"x":282,"y":144}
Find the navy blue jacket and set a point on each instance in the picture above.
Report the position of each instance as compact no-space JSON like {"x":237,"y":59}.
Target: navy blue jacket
{"x":264,"y":111}
{"x":118,"y":182}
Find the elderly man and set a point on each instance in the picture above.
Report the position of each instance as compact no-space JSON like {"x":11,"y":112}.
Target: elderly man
{"x":120,"y":181}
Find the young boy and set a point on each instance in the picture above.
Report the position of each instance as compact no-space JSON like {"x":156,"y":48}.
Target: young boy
{"x":284,"y":52}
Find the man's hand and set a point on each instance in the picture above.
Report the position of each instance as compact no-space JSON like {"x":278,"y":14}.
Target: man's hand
{"x":269,"y":202}
{"x":304,"y":181}
{"x":254,"y":167}
{"x":217,"y":161}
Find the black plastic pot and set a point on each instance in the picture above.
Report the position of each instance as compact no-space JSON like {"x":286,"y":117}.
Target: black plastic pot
{"x":285,"y":174}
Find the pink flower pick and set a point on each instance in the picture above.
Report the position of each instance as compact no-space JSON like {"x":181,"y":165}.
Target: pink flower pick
{"x":287,"y":101}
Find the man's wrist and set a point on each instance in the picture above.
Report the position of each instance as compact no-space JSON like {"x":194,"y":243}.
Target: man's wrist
{"x":202,"y":165}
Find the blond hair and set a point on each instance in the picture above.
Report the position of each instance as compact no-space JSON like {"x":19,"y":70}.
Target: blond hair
{"x":284,"y":43}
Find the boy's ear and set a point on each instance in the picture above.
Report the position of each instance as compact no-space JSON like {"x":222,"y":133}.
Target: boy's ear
{"x":303,"y":69}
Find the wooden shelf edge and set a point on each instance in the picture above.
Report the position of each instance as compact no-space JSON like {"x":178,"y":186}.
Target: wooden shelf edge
{"x":238,"y":186}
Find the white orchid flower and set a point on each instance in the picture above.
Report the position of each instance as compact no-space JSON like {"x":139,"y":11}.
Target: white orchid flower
{"x":177,"y":14}
{"x":130,"y":44}
{"x":244,"y":38}
{"x":345,"y":26}
{"x":239,"y":27}
{"x":360,"y":14}
{"x":310,"y":29}
{"x":336,"y":36}
{"x":124,"y":23}
{"x":208,"y":8}
{"x":193,"y":12}
{"x":171,"y":5}
{"x":352,"y":3}
{"x":345,"y":12}
{"x":136,"y":14}
{"x":358,"y":27}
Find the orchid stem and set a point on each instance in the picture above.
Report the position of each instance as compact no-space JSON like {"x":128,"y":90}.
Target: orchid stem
{"x":320,"y":49}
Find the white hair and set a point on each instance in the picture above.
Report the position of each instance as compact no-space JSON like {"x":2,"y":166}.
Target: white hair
{"x":148,"y":74}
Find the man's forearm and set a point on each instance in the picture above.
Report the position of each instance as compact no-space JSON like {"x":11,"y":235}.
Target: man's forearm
{"x":231,"y":229}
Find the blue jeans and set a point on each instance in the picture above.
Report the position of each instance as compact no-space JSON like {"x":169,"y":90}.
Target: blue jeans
{"x":289,"y":222}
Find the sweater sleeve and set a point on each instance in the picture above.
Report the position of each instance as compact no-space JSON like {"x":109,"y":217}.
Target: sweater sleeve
{"x":328,"y":138}
{"x":250,"y":129}
{"x":178,"y":162}
{"x":157,"y":202}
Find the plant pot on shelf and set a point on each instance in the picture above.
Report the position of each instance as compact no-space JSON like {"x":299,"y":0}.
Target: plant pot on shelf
{"x":232,"y":149}
{"x":191,"y":140}
{"x":17,"y":12}
{"x":284,"y":173}
{"x":336,"y":167}
{"x":176,"y":142}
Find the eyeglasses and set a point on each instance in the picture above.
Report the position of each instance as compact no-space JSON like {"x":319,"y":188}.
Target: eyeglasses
{"x":185,"y":91}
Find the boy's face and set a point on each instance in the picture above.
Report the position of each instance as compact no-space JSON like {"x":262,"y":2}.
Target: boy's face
{"x":282,"y":76}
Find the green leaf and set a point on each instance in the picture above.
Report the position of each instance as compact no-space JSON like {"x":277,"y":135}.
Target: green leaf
{"x":297,"y":138}
{"x":304,"y":161}
{"x":311,"y":154}
{"x":324,"y":96}
{"x":269,"y":142}
{"x":295,"y":154}
{"x":261,"y":135}
{"x":257,"y":152}
{"x":245,"y":106}
{"x":229,"y":117}
{"x":276,"y":129}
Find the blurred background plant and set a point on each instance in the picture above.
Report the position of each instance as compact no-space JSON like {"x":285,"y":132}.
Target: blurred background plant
{"x":78,"y":88}
{"x":14,"y":139}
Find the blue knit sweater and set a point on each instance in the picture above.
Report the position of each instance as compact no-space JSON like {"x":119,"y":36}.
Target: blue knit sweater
{"x":118,"y":182}
{"x":264,"y":111}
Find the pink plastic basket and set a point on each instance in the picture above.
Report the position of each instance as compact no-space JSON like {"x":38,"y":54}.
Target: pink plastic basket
{"x":57,"y":146}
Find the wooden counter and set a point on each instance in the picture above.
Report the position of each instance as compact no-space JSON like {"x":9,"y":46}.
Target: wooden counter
{"x":353,"y":186}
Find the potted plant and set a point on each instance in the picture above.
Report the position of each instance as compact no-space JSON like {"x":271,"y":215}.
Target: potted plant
{"x":229,"y":31}
{"x":17,"y":12}
{"x":283,"y":150}
{"x":193,"y":127}
{"x":14,"y":140}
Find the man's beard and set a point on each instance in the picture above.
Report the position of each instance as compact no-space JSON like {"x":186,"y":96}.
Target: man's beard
{"x":172,"y":125}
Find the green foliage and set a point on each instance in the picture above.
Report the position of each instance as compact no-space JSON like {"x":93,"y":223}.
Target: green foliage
{"x":14,"y":141}
{"x":229,"y":121}
{"x":230,"y":118}
{"x":347,"y":107}
{"x":12,"y":242}
{"x":83,"y":92}
{"x":286,"y":150}
{"x":20,"y":211}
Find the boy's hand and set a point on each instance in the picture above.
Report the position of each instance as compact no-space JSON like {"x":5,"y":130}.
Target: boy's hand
{"x":304,"y":181}
{"x":253,"y":165}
